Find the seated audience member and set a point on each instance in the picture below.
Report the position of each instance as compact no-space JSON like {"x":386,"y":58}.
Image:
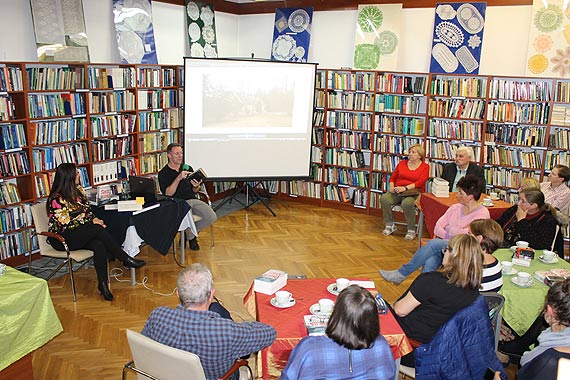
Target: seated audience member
{"x":455,"y":221}
{"x":490,"y":236}
{"x":406,"y":184}
{"x":352,"y":347}
{"x":462,"y":166}
{"x":541,"y":363}
{"x":173,"y":183}
{"x":193,"y":327}
{"x":555,"y":190}
{"x":434,"y":297}
{"x":534,"y":221}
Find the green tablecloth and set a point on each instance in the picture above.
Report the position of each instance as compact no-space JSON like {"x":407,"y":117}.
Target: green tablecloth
{"x":522,"y":305}
{"x":27,"y":317}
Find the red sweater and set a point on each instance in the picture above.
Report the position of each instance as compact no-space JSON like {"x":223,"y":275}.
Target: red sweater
{"x":403,"y":176}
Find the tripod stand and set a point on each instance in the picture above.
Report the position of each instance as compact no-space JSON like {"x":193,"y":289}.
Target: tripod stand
{"x":249,"y":190}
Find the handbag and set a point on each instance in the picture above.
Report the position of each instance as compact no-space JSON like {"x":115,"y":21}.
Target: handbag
{"x":410,"y":192}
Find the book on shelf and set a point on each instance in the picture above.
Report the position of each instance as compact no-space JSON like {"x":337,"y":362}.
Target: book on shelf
{"x":315,"y":324}
{"x":270,"y":281}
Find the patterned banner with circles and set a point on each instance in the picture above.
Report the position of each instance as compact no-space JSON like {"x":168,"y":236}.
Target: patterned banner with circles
{"x":291,"y":34}
{"x":201,"y":30}
{"x":134,"y":31}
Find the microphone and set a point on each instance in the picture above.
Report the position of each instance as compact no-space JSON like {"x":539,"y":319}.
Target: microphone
{"x":185,"y":167}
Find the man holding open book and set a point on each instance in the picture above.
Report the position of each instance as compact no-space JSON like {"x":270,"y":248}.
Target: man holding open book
{"x":173,"y":182}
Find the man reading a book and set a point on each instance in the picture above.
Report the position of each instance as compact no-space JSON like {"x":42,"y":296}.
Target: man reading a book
{"x":196,"y":327}
{"x":173,"y":183}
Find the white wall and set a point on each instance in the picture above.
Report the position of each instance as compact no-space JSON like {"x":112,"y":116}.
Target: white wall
{"x":332,"y":39}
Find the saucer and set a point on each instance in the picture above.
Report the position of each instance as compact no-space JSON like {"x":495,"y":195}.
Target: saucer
{"x":511,"y":272}
{"x":332,"y":289}
{"x":515,"y":281}
{"x":488,"y":205}
{"x":315,"y":310}
{"x":553,"y":261}
{"x":292,"y":302}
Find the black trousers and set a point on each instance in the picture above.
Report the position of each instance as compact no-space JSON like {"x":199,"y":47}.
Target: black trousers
{"x":94,"y":238}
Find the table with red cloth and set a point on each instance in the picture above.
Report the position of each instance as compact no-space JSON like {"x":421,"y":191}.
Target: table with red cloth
{"x":290,"y":324}
{"x":432,"y":208}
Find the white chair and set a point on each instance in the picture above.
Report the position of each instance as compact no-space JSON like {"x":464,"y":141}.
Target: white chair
{"x":40,"y":217}
{"x":156,"y":361}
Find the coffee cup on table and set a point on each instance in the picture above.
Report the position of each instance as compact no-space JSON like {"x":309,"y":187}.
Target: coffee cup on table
{"x":283,"y":297}
{"x":487,"y":201}
{"x":507,"y":266}
{"x":493,"y":195}
{"x":523,"y":278}
{"x":522,"y":244}
{"x":341,"y":284}
{"x":548,"y":255}
{"x":326,"y":305}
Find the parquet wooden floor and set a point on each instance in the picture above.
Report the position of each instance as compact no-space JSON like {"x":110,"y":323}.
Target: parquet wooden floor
{"x":302,"y":239}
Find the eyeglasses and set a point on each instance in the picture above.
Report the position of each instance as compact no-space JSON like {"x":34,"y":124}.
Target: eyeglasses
{"x":446,"y":249}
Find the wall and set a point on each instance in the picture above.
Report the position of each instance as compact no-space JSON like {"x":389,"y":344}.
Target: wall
{"x":332,"y":40}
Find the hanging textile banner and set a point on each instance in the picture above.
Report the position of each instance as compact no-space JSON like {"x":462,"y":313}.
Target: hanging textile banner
{"x":457,"y":38}
{"x":549,"y":40}
{"x":201,"y":29}
{"x":135,"y":34}
{"x":60,"y":32}
{"x":291,"y":34}
{"x":377,"y":37}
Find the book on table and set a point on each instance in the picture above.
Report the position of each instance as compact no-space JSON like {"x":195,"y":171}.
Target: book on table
{"x":551,"y":276}
{"x":440,"y":188}
{"x":270,"y":281}
{"x":315,"y":324}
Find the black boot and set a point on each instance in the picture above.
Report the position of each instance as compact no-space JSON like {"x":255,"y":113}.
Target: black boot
{"x":131,"y":262}
{"x":104,"y":290}
{"x":193,"y":243}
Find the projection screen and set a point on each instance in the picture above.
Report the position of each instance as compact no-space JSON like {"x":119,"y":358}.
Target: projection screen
{"x":248,"y":119}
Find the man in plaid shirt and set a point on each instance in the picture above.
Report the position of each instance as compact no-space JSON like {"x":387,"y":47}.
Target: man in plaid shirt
{"x":192,"y":327}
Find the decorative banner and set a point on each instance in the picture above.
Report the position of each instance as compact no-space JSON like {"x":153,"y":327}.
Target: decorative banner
{"x":457,"y":38}
{"x":292,"y":34}
{"x":201,"y":29}
{"x":377,"y":37}
{"x":549,"y":40}
{"x":59,"y":27}
{"x":135,"y":34}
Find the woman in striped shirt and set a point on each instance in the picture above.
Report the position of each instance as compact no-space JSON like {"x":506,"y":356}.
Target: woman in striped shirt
{"x":490,"y":236}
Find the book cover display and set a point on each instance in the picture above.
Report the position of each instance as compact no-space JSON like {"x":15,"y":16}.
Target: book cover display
{"x":457,"y":38}
{"x":134,"y":31}
{"x":201,"y":29}
{"x":291,"y":34}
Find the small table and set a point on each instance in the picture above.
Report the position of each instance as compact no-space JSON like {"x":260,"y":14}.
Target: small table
{"x":523,"y":305}
{"x":291,"y":328}
{"x":27,"y":317}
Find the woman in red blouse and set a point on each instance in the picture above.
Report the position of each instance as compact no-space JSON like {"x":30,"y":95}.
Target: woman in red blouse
{"x":406,"y":183}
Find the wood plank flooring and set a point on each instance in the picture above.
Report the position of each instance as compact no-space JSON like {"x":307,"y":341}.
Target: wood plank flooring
{"x":302,"y":239}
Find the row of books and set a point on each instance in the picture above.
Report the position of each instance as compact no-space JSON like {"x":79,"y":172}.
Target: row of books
{"x":499,"y":155}
{"x":552,"y":158}
{"x":59,"y":131}
{"x":320,"y":98}
{"x":154,"y":141}
{"x":108,"y":171}
{"x":15,"y":217}
{"x":12,"y":136}
{"x":386,"y":162}
{"x":358,"y":101}
{"x":348,"y":139}
{"x":455,"y":129}
{"x":359,"y":197}
{"x":320,"y":79}
{"x":318,"y":118}
{"x":403,"y":104}
{"x":533,"y":113}
{"x":353,"y":159}
{"x":507,"y":177}
{"x":10,"y":78}
{"x":445,"y":149}
{"x":111,"y":77}
{"x":457,"y":108}
{"x":108,"y":149}
{"x":50,"y":105}
{"x":401,"y":83}
{"x":317,"y":172}
{"x":458,"y":86}
{"x":337,"y":193}
{"x":157,"y":120}
{"x":395,"y":144}
{"x":7,"y":108}
{"x":113,"y":125}
{"x":111,"y":101}
{"x":361,"y":121}
{"x":49,"y":158}
{"x":399,"y":124}
{"x":349,"y":177}
{"x":157,"y":77}
{"x":14,"y":164}
{"x":515,"y":134}
{"x":153,"y":99}
{"x":436,"y":167}
{"x":18,"y":243}
{"x":379,"y":182}
{"x":43,"y":182}
{"x":153,"y":162}
{"x":560,"y":114}
{"x":9,"y":193}
{"x":520,"y":90}
{"x":562,"y":93}
{"x":55,"y":78}
{"x":302,"y":189}
{"x":317,"y":136}
{"x":360,"y":81}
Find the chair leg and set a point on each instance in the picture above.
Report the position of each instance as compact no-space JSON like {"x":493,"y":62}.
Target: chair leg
{"x":70,"y":262}
{"x":211,"y":235}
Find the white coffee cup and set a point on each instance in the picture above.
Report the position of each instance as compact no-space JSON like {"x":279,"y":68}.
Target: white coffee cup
{"x":2,"y":269}
{"x":523,"y":278}
{"x":326,"y":305}
{"x":341,"y":284}
{"x":283,"y":297}
{"x":487,"y":201}
{"x":493,"y":195}
{"x":507,"y":266}
{"x":548,"y":255}
{"x":522,"y":244}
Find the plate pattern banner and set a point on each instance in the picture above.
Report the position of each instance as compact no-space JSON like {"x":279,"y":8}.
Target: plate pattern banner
{"x":201,"y":29}
{"x":292,"y":34}
{"x":134,"y":31}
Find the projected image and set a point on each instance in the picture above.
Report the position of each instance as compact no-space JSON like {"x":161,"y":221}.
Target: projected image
{"x":259,"y":100}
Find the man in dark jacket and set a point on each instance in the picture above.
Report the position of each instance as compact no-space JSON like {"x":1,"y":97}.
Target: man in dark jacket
{"x":462,"y":166}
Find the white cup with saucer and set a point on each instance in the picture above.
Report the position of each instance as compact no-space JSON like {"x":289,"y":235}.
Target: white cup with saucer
{"x":523,"y":278}
{"x":283,"y":298}
{"x":326,"y":306}
{"x":487,"y":202}
{"x":507,"y":266}
{"x":522,"y":244}
{"x":493,"y":195}
{"x":548,"y":256}
{"x":341,"y":284}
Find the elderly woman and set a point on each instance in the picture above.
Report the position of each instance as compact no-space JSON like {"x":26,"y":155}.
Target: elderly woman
{"x":406,"y":184}
{"x":352,"y":347}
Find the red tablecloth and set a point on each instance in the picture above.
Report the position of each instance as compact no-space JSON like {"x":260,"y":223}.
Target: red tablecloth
{"x":290,"y":325}
{"x":433,"y":208}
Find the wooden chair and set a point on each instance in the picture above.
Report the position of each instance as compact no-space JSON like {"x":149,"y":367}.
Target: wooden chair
{"x":40,"y":217}
{"x":156,"y":361}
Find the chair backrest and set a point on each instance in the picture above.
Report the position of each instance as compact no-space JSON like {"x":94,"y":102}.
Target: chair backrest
{"x":495,"y":303}
{"x":39,"y":214}
{"x":163,"y":362}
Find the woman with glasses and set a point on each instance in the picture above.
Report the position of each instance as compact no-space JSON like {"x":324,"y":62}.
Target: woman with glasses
{"x":555,"y":190}
{"x":455,"y":221}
